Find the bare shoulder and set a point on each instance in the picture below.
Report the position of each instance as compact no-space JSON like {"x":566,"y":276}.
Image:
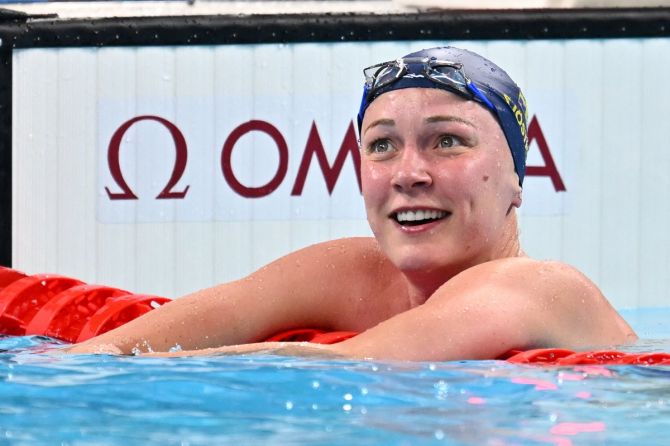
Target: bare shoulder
{"x":538,"y":277}
{"x":559,"y":304}
{"x":350,"y":281}
{"x":493,"y":307}
{"x":343,"y":249}
{"x":320,"y":286}
{"x":332,"y":260}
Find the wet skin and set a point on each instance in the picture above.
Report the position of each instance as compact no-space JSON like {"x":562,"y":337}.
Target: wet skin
{"x":444,"y":278}
{"x":427,"y":149}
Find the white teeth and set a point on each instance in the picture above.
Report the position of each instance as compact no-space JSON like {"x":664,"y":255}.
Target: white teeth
{"x":419,"y":215}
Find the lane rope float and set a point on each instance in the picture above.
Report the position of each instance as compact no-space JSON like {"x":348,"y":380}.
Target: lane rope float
{"x":65,"y":308}
{"x":70,"y":310}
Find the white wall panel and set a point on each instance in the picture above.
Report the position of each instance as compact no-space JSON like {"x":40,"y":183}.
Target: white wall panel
{"x":581,"y":225}
{"x":194,"y":246}
{"x":654,"y":169}
{"x":620,"y":175}
{"x":33,"y":207}
{"x":601,"y":105}
{"x":543,"y":85}
{"x":116,"y":89}
{"x":72,"y":173}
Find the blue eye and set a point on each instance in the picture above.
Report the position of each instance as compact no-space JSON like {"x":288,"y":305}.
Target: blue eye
{"x":448,"y":141}
{"x":380,"y":146}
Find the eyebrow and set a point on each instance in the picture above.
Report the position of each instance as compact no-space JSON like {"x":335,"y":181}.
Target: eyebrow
{"x":441,"y":118}
{"x":429,"y":120}
{"x":378,"y":122}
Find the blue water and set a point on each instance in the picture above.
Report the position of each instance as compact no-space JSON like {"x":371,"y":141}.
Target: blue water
{"x":261,"y":399}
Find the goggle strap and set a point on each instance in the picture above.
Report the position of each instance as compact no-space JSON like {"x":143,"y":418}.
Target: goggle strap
{"x":479,"y":95}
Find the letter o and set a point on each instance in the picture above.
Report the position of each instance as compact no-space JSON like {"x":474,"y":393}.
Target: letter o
{"x":227,"y":152}
{"x":519,"y":116}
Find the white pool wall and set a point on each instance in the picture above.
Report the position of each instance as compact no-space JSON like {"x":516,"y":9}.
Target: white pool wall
{"x":601,"y":106}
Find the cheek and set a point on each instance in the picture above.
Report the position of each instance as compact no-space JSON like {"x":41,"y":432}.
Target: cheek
{"x":373,"y":177}
{"x":464,"y":177}
{"x":475,"y":183}
{"x":494,"y":186}
{"x":373,"y":194}
{"x":371,"y":171}
{"x":487,"y":170}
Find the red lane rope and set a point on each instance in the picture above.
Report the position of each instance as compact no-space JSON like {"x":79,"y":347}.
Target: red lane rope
{"x":23,"y":298}
{"x":65,"y":308}
{"x":563,"y":357}
{"x":68,"y":309}
{"x":541,"y":356}
{"x":312,"y":335}
{"x":118,"y":311}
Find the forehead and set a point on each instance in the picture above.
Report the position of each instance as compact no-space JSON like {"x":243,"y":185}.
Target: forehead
{"x":417,"y":104}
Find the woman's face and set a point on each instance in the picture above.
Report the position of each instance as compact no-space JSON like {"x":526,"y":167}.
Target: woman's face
{"x":438,"y":181}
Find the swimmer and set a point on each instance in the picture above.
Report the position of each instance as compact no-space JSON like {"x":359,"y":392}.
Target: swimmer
{"x":443,"y":148}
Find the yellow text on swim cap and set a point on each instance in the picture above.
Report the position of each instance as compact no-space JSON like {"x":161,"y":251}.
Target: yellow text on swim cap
{"x":521,"y":115}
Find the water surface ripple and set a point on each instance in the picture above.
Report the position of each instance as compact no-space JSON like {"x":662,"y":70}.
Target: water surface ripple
{"x":47,"y":398}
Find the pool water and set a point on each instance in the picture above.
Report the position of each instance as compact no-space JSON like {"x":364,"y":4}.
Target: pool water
{"x":263,"y":399}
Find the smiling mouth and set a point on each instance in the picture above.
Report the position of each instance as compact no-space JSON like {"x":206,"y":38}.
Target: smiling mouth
{"x":419,"y":217}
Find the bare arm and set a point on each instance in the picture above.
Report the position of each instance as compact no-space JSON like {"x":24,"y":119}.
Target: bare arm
{"x":313,"y":287}
{"x":481,"y":314}
{"x":492,"y":308}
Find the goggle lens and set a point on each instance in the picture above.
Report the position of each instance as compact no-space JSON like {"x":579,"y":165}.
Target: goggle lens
{"x":449,"y":74}
{"x":378,"y":76}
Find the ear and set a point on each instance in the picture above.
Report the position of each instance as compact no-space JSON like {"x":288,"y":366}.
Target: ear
{"x":516,"y":198}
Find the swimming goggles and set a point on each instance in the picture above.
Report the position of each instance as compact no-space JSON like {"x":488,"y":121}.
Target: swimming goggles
{"x":442,"y":72}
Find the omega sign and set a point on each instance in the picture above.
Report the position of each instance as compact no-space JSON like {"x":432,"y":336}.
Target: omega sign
{"x":313,"y":148}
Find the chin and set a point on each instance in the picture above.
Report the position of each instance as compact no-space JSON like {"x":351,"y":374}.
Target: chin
{"x":426,"y":259}
{"x":418,"y":260}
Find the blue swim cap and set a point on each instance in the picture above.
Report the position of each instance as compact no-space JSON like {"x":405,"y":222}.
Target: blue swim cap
{"x":485,"y":82}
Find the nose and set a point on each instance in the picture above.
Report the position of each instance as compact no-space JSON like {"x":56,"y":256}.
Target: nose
{"x":412,"y":171}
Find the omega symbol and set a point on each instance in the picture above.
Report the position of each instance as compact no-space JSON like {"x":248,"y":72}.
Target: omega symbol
{"x":115,"y":166}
